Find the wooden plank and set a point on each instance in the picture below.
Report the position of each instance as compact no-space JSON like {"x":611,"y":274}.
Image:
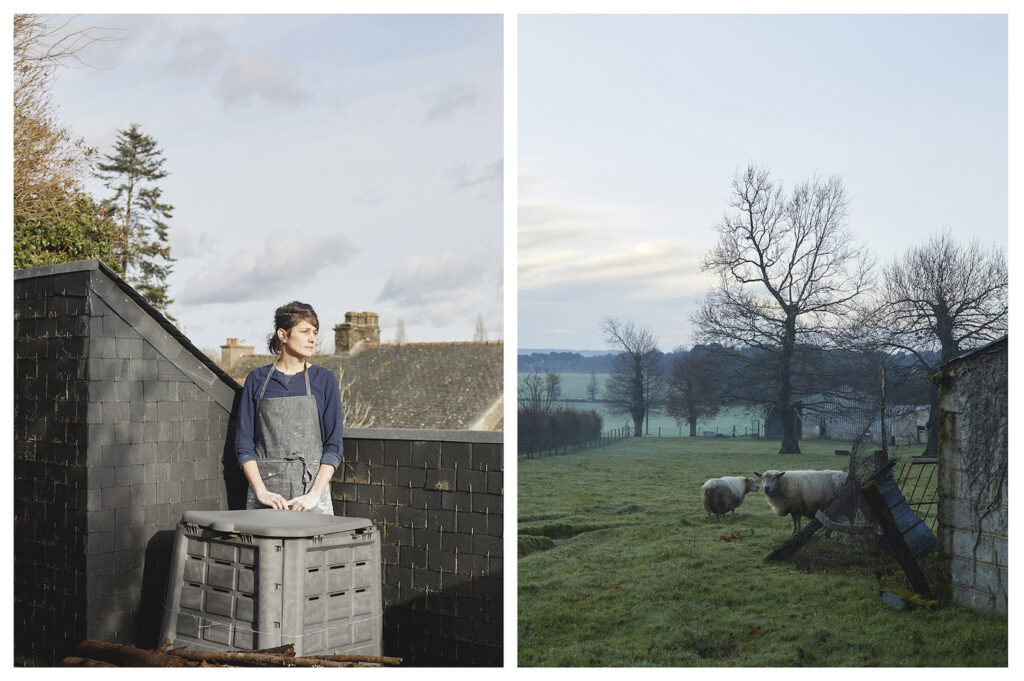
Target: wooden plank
{"x":906,"y":559}
{"x":891,"y":493}
{"x":904,"y":517}
{"x":792,"y":544}
{"x":920,"y":539}
{"x":919,"y":546}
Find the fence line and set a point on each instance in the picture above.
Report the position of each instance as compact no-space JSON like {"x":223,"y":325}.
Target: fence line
{"x":534,"y":447}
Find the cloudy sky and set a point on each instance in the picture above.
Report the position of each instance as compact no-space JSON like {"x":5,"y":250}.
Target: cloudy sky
{"x":352,"y":162}
{"x":631,"y":129}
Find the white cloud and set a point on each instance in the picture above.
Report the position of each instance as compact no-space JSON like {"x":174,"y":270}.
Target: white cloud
{"x":187,"y":244}
{"x":251,"y":77}
{"x":565,"y":244}
{"x":451,"y":99}
{"x":445,"y":286}
{"x":260,"y":271}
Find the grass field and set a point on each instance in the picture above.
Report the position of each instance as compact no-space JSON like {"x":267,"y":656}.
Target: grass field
{"x":619,"y":567}
{"x":574,"y":396}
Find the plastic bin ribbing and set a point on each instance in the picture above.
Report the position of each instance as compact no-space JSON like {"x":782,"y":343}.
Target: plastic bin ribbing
{"x":243,"y":580}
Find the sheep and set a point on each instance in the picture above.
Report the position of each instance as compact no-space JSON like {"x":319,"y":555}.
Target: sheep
{"x":721,"y":495}
{"x":800,"y":493}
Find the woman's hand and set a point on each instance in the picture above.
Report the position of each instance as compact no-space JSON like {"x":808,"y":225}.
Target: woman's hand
{"x":272,"y":499}
{"x":304,"y":503}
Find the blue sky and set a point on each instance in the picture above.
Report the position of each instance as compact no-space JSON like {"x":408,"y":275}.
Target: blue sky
{"x":631,"y":129}
{"x":352,"y":162}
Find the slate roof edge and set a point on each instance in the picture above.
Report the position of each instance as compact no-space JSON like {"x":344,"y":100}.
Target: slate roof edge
{"x":424,"y":435}
{"x":978,"y":350}
{"x":158,"y":317}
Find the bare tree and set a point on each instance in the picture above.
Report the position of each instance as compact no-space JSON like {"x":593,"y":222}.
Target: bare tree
{"x":538,"y":393}
{"x":592,"y":387}
{"x":355,"y":411}
{"x":693,"y":396}
{"x":400,"y":336}
{"x":629,"y":385}
{"x":49,"y":162}
{"x":480,"y":331}
{"x":554,"y":385}
{"x":940,"y":299}
{"x":788,"y":268}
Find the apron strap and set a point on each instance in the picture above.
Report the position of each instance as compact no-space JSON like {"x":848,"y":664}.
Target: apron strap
{"x":305,"y":370}
{"x":265,"y":382}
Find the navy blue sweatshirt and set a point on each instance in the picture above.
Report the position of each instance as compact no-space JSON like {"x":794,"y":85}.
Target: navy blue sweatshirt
{"x":324,"y":387}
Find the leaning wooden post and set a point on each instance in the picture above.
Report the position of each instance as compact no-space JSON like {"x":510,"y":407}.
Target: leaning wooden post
{"x":899,"y":546}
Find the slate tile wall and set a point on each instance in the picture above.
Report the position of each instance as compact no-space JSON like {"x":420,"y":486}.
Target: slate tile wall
{"x":439,"y":507}
{"x":118,"y":430}
{"x":156,"y":446}
{"x":51,"y":329}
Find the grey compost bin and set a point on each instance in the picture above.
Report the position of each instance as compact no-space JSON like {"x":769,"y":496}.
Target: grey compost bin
{"x":243,"y":580}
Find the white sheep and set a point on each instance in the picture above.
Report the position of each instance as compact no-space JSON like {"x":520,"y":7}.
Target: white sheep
{"x":721,"y":495}
{"x":800,"y":493}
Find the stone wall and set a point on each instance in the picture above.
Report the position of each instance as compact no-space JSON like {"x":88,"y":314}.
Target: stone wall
{"x":973,"y":481}
{"x":437,"y":497}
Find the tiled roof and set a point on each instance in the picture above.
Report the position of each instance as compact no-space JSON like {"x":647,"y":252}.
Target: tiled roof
{"x":415,"y":385}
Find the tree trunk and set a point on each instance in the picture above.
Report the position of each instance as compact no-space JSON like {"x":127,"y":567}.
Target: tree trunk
{"x":784,"y":409}
{"x":693,"y":428}
{"x":950,"y":348}
{"x":638,"y":401}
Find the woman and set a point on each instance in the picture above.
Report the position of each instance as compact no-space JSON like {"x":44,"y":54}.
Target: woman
{"x":289,"y":420}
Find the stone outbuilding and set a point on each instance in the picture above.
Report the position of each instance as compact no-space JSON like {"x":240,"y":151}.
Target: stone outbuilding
{"x":973,"y":526}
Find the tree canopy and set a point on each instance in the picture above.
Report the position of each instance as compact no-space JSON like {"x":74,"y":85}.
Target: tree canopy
{"x":939,"y":299}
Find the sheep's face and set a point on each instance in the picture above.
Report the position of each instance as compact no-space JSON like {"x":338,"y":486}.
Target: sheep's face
{"x":771,"y":481}
{"x":751,"y":486}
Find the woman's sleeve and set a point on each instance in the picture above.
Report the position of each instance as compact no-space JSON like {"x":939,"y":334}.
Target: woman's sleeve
{"x":331,"y":421}
{"x":245,"y":446}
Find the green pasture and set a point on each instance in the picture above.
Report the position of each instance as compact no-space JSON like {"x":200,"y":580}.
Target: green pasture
{"x":618,"y":566}
{"x":574,"y":396}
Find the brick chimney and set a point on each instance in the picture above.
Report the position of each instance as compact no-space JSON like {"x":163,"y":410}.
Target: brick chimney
{"x":231,"y":351}
{"x":358,"y":327}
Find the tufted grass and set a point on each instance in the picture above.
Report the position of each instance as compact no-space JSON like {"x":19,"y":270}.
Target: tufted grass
{"x":626,"y":571}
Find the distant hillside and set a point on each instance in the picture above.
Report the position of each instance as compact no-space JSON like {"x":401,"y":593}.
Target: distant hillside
{"x":545,"y":351}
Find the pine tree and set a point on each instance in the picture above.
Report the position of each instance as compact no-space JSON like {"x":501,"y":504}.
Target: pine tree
{"x":132,"y":172}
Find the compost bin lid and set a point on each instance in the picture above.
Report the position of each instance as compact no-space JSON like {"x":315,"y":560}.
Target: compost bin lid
{"x":270,"y":522}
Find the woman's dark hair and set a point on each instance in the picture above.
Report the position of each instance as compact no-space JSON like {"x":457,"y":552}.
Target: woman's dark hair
{"x":287,"y":317}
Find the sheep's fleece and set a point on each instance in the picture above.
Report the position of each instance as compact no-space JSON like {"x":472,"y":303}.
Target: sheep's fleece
{"x":800,"y":493}
{"x":721,"y":495}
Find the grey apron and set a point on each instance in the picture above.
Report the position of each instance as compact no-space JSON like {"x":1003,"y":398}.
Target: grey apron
{"x":289,"y":446}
